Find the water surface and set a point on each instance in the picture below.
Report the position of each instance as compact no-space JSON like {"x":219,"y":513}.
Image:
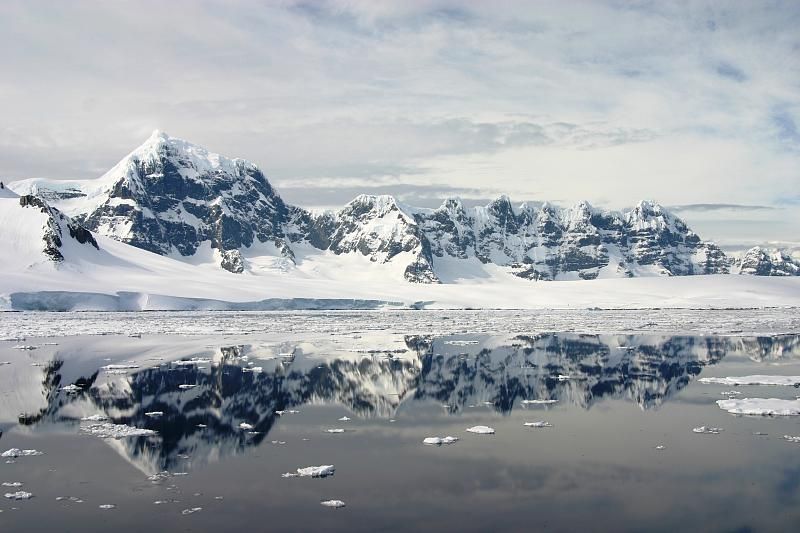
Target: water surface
{"x":598,"y":468}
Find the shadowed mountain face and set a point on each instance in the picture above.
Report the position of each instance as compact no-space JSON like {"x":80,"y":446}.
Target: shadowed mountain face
{"x":173,"y":197}
{"x":203,"y":403}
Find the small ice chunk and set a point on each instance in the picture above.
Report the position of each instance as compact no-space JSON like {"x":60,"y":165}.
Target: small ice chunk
{"x":107,"y":506}
{"x":563,"y":377}
{"x":481,"y":430}
{"x":245,"y":426}
{"x":16,"y":452}
{"x":191,"y":510}
{"x":707,"y":430}
{"x":312,"y":471}
{"x":789,"y":381}
{"x":334,"y":430}
{"x":336,"y":504}
{"x":438,"y":441}
{"x":13,"y":484}
{"x":154,"y":414}
{"x":538,"y":424}
{"x":344,"y":419}
{"x":538,"y":402}
{"x":187,"y":386}
{"x":761,"y":406}
{"x":71,"y":388}
{"x":661,"y":447}
{"x":19,"y":495}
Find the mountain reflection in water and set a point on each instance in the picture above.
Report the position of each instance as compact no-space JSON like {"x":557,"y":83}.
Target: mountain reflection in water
{"x":204,"y":421}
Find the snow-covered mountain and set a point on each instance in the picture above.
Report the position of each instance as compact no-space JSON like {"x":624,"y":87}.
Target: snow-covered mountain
{"x":760,"y":261}
{"x":178,"y":199}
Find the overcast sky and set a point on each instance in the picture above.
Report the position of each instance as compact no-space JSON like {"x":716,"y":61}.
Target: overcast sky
{"x":691,"y":104}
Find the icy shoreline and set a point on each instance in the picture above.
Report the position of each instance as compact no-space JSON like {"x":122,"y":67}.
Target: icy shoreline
{"x":728,"y":322}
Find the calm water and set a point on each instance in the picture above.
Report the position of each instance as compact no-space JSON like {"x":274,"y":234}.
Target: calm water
{"x":596,"y":469}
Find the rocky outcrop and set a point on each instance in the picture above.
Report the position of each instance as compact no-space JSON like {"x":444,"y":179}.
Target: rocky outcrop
{"x":56,"y":226}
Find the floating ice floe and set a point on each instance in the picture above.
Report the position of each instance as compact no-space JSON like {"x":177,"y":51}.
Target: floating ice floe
{"x":312,"y":471}
{"x":94,"y":418}
{"x":761,"y":406}
{"x":245,"y":426}
{"x":16,"y":452}
{"x":796,"y":440}
{"x":191,"y":510}
{"x":538,"y":424}
{"x":107,"y":506}
{"x":108,"y":430}
{"x":12,"y":484}
{"x":19,"y":495}
{"x":481,"y":430}
{"x":789,"y":381}
{"x":707,"y":430}
{"x":334,"y":430}
{"x":438,"y":441}
{"x":344,"y":419}
{"x":336,"y":504}
{"x":154,"y":414}
{"x":538,"y":402}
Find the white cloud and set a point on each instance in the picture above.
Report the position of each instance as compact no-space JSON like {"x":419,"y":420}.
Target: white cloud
{"x":691,"y":102}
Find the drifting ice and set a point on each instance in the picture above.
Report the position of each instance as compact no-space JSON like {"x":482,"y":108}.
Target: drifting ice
{"x":481,"y":430}
{"x":115,"y":431}
{"x":707,"y":429}
{"x":19,"y":495}
{"x":438,"y":441}
{"x":312,"y":471}
{"x":16,"y":452}
{"x":336,"y":504}
{"x":761,"y":406}
{"x":539,"y":424}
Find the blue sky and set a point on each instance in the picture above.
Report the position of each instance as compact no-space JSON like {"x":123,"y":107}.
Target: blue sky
{"x":683,"y":102}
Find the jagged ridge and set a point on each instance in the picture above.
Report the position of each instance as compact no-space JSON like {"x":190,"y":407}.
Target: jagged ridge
{"x":170,"y":197}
